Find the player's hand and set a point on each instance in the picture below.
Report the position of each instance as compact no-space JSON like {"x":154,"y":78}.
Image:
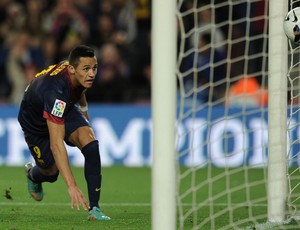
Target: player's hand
{"x":77,"y":198}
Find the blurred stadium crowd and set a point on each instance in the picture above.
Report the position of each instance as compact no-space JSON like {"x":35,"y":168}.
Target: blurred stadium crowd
{"x":38,"y":33}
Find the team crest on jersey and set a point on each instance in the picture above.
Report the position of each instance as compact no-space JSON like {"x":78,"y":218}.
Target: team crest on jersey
{"x":58,"y":108}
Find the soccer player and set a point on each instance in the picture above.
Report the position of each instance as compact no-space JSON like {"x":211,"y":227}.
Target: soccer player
{"x":54,"y":110}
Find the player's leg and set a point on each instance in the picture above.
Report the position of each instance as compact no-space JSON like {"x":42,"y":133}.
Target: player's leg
{"x":45,"y":169}
{"x":92,"y":169}
{"x":82,"y":137}
{"x":80,"y":134}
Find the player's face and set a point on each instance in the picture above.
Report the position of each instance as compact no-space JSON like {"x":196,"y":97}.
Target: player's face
{"x":86,"y":71}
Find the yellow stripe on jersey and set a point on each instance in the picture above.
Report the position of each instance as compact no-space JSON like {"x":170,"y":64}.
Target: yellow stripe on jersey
{"x":45,"y":71}
{"x":60,"y":68}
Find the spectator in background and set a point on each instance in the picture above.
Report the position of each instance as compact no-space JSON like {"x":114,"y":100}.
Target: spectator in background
{"x":125,"y":33}
{"x":12,"y":16}
{"x":86,"y":9}
{"x":141,"y":71}
{"x":247,"y":92}
{"x":206,"y":25}
{"x":33,"y":21}
{"x":121,"y":14}
{"x":21,"y":55}
{"x":49,"y":48}
{"x":126,"y":27}
{"x":3,"y":12}
{"x":14,"y":19}
{"x":5,"y":86}
{"x":112,"y":80}
{"x":23,"y":61}
{"x":257,"y":27}
{"x":210,"y":64}
{"x":105,"y":7}
{"x":104,"y":26}
{"x":68,"y":26}
{"x":143,"y":16}
{"x":140,"y":54}
{"x":104,"y":31}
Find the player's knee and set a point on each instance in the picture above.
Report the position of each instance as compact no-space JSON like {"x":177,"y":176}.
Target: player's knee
{"x":53,"y":178}
{"x":82,"y":136}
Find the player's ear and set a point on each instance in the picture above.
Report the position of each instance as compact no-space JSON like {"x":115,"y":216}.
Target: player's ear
{"x":71,"y":69}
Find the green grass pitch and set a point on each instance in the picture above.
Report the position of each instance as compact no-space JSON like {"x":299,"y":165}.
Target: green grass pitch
{"x":126,"y":198}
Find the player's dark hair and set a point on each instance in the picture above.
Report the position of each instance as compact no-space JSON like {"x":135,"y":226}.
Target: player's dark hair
{"x":78,"y":52}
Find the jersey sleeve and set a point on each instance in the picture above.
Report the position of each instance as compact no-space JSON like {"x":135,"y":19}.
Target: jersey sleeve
{"x":54,"y":107}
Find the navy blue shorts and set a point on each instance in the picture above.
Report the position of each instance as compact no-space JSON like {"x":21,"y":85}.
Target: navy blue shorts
{"x":39,"y":146}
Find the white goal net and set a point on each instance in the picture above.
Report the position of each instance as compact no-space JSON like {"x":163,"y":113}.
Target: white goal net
{"x":223,"y":139}
{"x":293,"y":125}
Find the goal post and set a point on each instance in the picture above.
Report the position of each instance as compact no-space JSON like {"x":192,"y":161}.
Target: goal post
{"x":277,"y":113}
{"x":163,"y":100}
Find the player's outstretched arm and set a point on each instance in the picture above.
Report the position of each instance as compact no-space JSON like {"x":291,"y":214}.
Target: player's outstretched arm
{"x":60,"y":155}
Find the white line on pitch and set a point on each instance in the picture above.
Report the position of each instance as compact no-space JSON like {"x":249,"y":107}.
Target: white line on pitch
{"x":68,"y":204}
{"x":115,"y":204}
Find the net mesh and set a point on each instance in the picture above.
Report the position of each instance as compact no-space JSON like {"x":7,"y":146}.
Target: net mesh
{"x":293,"y":125}
{"x":222,"y":129}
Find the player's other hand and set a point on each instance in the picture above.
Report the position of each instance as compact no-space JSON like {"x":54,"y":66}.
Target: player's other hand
{"x":77,"y":198}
